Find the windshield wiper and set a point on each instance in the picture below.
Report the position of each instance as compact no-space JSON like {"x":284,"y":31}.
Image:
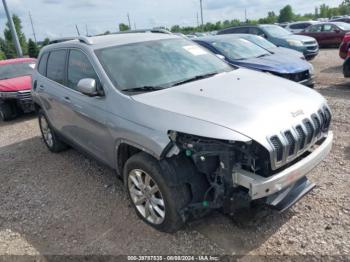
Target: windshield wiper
{"x":143,"y":89}
{"x":262,"y":55}
{"x":194,"y":78}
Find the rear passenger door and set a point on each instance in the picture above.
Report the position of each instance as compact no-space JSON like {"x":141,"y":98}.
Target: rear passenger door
{"x":86,"y":125}
{"x":332,"y":34}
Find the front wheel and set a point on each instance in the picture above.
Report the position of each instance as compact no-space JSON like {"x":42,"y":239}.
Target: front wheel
{"x":155,"y":201}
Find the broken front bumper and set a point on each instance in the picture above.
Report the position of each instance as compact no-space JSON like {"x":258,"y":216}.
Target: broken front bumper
{"x":260,"y":187}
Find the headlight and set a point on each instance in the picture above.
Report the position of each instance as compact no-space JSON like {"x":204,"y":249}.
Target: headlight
{"x":295,"y":42}
{"x":312,"y":70}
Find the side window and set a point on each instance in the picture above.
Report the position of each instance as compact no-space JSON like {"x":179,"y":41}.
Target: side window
{"x":56,"y":65}
{"x":42,"y":64}
{"x":79,"y":67}
{"x":315,"y":29}
{"x":256,"y":31}
{"x":328,"y":28}
{"x":242,"y":30}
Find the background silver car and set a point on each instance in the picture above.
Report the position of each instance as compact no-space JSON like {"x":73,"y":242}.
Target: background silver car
{"x":187,"y":132}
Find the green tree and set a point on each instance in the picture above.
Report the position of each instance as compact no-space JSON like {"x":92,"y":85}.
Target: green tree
{"x":10,"y":50}
{"x":123,"y":27}
{"x":45,"y":42}
{"x":175,"y":29}
{"x":286,"y":14}
{"x":33,"y":49}
{"x":2,"y":55}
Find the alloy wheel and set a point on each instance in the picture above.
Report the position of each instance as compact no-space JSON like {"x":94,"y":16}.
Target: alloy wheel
{"x":46,"y":131}
{"x":146,"y":196}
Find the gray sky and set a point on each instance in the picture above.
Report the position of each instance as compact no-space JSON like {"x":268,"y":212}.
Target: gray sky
{"x":56,"y":18}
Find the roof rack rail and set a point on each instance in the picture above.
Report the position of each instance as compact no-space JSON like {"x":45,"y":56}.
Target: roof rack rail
{"x":155,"y":30}
{"x":83,"y":39}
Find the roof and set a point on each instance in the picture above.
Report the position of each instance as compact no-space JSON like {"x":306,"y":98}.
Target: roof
{"x":17,"y":60}
{"x":97,"y":42}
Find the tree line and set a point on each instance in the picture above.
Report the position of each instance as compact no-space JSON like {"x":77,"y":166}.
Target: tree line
{"x":7,"y":47}
{"x":286,"y":14}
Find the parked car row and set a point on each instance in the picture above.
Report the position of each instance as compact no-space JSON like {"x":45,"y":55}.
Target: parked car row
{"x":239,"y":51}
{"x":280,"y":37}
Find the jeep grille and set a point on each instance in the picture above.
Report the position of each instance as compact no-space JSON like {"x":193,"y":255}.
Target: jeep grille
{"x":293,"y":142}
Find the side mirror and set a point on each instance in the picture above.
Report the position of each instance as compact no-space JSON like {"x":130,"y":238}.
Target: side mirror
{"x":220,"y":56}
{"x":87,"y":86}
{"x":337,"y":31}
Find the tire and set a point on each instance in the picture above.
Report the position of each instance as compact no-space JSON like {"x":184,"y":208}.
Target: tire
{"x":163,"y":205}
{"x":51,"y":140}
{"x":8,"y":111}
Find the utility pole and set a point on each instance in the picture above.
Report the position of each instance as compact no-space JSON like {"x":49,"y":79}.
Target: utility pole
{"x":201,"y":13}
{"x":129,"y":21}
{"x":245,"y":15}
{"x":135,"y":25}
{"x":76,"y":27}
{"x":87,"y":31}
{"x":13,"y":30}
{"x":31,"y":21}
{"x":197,"y":20}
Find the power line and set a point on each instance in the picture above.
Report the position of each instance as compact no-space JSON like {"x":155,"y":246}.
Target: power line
{"x":31,"y":21}
{"x":129,"y":21}
{"x":201,"y":4}
{"x":76,"y":27}
{"x":87,"y":31}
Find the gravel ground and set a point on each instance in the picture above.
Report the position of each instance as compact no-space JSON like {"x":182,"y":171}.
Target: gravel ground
{"x":68,"y":204}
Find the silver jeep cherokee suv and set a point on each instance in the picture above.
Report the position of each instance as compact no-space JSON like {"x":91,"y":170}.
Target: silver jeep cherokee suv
{"x":187,"y":132}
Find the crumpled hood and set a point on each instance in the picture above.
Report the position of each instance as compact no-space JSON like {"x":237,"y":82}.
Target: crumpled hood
{"x":254,"y":104}
{"x":16,"y":84}
{"x":276,"y":63}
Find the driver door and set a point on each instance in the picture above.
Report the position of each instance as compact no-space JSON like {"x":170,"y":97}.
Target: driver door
{"x":86,"y":125}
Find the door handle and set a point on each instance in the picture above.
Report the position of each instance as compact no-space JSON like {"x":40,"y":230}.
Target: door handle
{"x":66,"y":98}
{"x":41,"y":87}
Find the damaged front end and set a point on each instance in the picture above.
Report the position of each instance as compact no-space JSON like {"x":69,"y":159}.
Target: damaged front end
{"x":240,"y":172}
{"x":216,"y":159}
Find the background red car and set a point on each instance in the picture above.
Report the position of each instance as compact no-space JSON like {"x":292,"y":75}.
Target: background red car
{"x":15,"y":87}
{"x":344,"y":46}
{"x":329,"y":33}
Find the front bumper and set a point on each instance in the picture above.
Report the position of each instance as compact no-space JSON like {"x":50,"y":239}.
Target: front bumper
{"x":260,"y":187}
{"x":22,"y":98}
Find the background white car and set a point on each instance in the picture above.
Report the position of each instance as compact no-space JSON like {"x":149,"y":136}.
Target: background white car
{"x":297,"y":27}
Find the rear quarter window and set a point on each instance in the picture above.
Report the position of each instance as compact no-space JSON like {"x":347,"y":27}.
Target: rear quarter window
{"x":56,"y":65}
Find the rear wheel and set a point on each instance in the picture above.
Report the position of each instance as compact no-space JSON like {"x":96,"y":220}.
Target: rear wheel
{"x":155,"y":201}
{"x":8,"y":111}
{"x":50,"y":138}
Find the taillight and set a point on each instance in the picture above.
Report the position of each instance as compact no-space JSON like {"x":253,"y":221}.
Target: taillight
{"x":346,"y":38}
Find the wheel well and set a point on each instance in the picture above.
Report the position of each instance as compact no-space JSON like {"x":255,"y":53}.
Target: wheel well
{"x":37,"y":107}
{"x":125,"y":151}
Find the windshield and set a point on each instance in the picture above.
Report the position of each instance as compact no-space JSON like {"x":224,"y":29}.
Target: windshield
{"x":16,"y":70}
{"x":160,"y":63}
{"x":260,"y":41}
{"x":276,"y":31}
{"x":239,"y":49}
{"x":343,"y":26}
